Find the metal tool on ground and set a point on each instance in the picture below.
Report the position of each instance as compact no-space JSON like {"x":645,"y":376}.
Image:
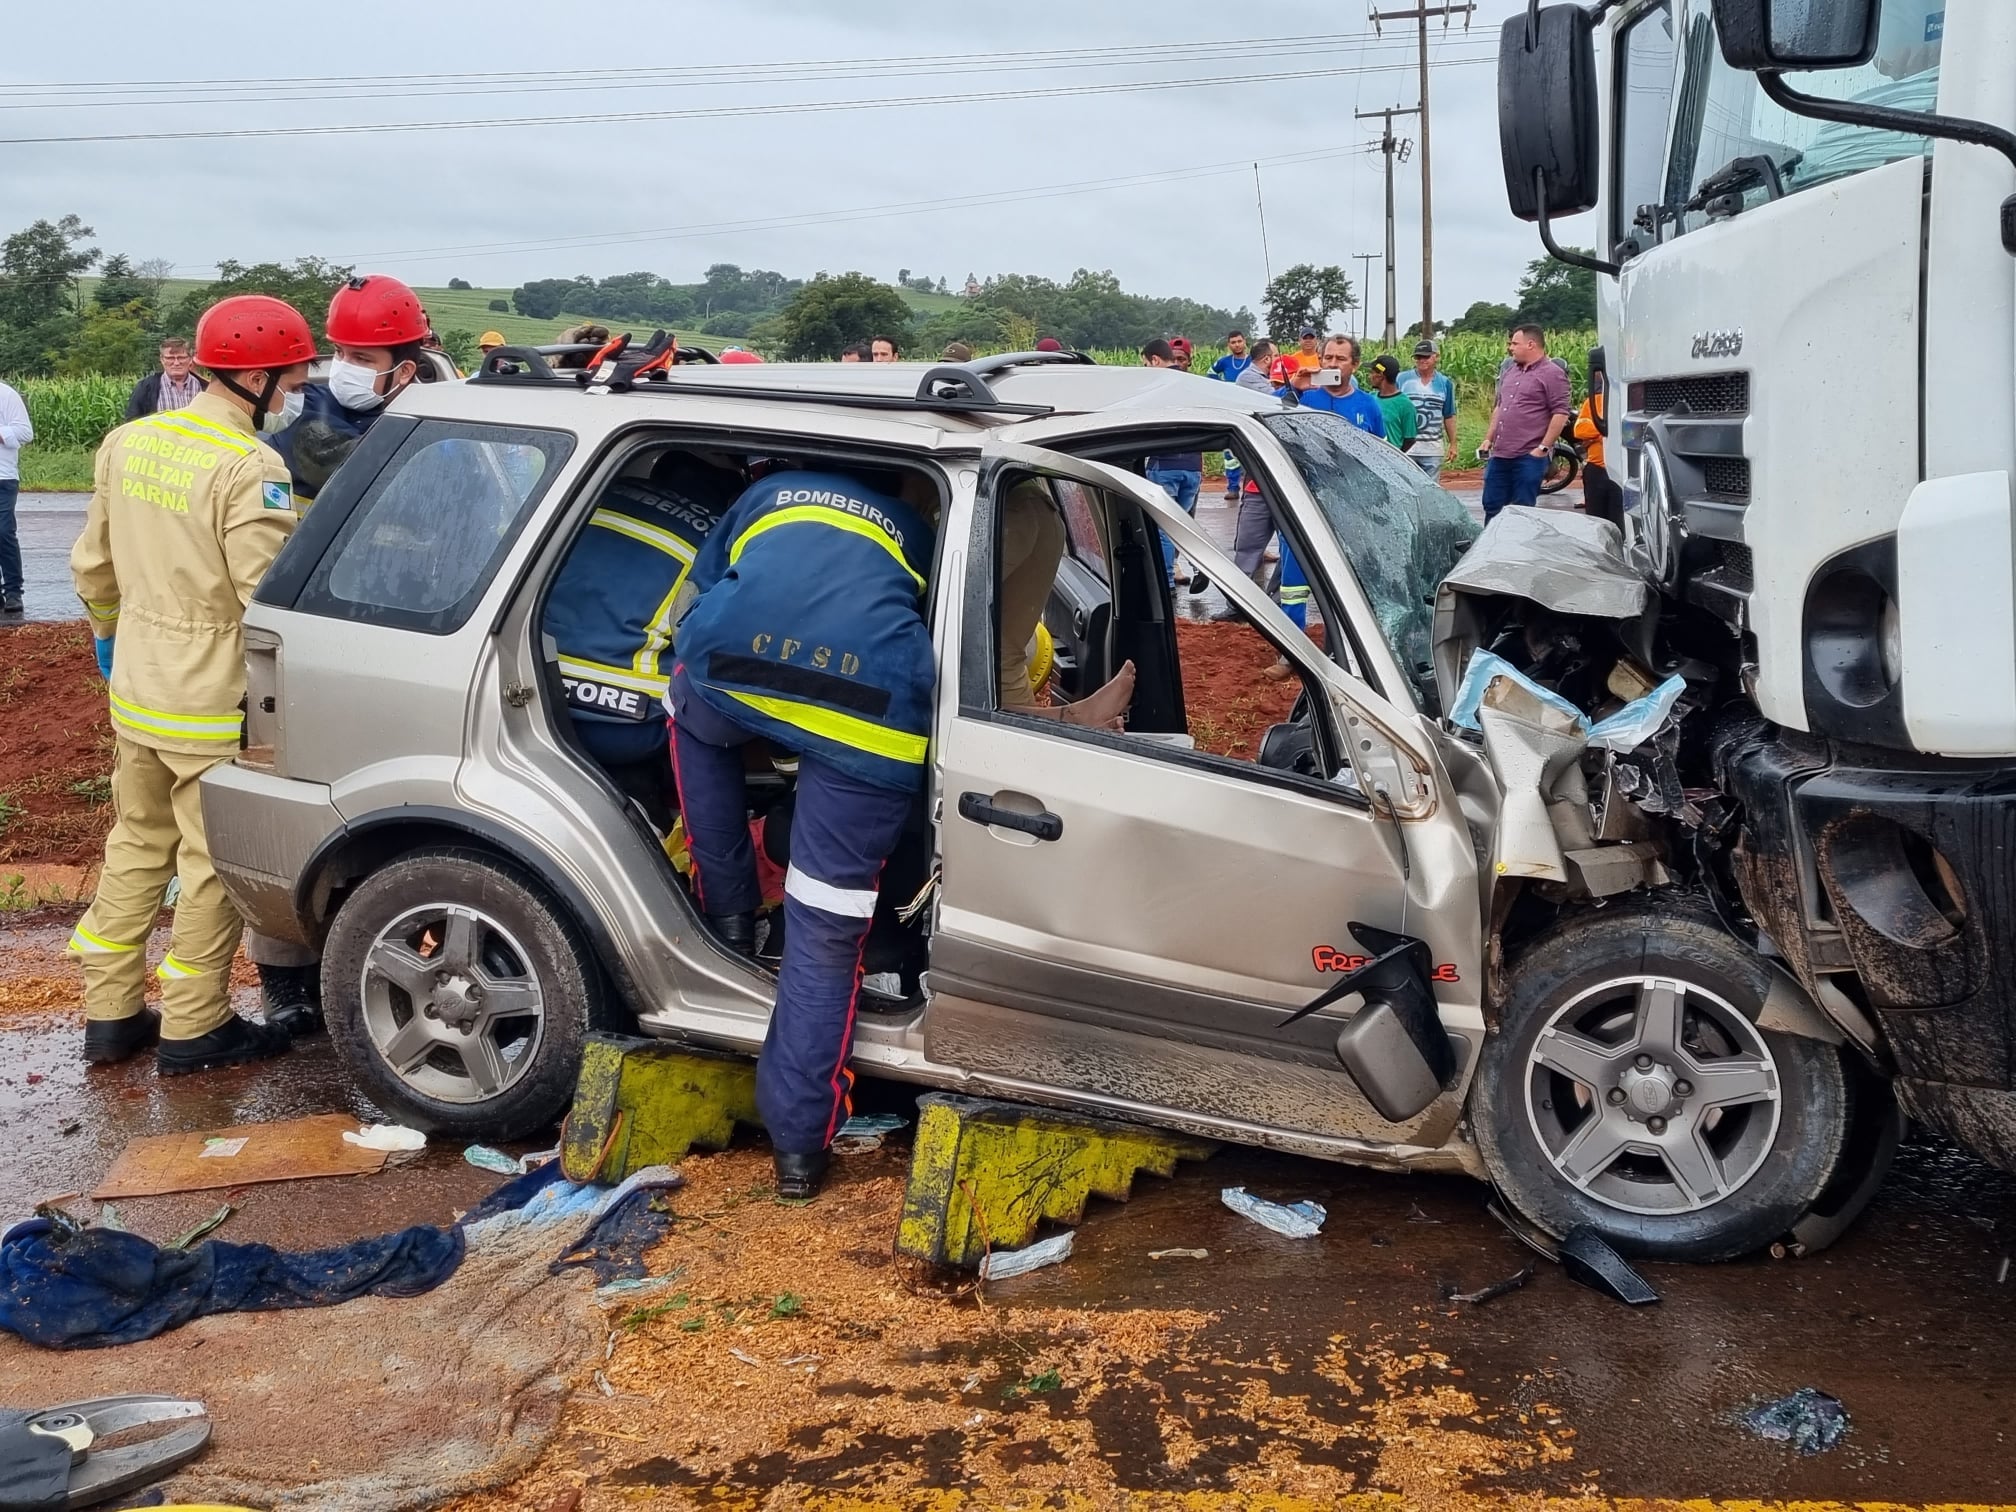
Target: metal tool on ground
{"x":50,"y":1458}
{"x":984,"y":1174}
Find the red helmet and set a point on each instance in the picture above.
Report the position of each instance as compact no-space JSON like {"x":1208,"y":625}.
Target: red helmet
{"x":736,"y":354}
{"x":1180,"y":345}
{"x":378,"y":311}
{"x":252,"y":331}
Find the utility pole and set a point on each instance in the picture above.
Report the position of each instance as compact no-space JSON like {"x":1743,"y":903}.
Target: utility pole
{"x":1390,"y":146}
{"x":1365,"y":292}
{"x":1422,"y":15}
{"x":1259,"y":200}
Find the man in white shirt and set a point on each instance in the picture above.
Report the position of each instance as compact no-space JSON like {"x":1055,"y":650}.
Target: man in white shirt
{"x":15,"y":432}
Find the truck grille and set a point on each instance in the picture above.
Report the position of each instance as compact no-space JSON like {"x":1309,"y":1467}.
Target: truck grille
{"x":1717,"y":394}
{"x":1735,"y":568}
{"x":1727,"y":477}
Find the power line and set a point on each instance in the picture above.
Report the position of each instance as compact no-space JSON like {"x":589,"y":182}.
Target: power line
{"x":733,"y":71}
{"x":804,"y":107}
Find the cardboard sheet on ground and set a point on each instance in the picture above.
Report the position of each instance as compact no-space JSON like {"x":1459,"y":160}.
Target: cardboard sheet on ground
{"x":242,"y":1156}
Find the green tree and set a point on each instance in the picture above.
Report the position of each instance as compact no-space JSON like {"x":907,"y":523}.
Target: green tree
{"x":973,"y":323}
{"x":501,"y":306}
{"x":461,"y":349}
{"x":1306,"y":295}
{"x":308,"y":284}
{"x":115,"y":341}
{"x":1557,"y":296}
{"x":121,"y":284}
{"x":834,"y":311}
{"x":39,"y":312}
{"x":545,"y":298}
{"x":734,"y":324}
{"x":459,"y":283}
{"x":1485,"y":319}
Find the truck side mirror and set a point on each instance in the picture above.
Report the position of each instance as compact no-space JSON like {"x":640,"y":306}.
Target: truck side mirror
{"x":1547,"y":121}
{"x":1769,"y":36}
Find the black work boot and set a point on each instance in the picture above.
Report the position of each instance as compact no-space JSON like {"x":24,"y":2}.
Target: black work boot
{"x":293,"y":997}
{"x":231,"y":1043}
{"x":736,"y":930}
{"x":109,"y":1041}
{"x":798,"y":1176}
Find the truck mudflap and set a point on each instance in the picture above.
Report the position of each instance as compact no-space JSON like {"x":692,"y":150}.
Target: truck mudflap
{"x":1885,"y":882}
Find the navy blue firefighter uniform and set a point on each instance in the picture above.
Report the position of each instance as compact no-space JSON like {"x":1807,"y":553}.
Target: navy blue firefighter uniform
{"x":612,"y":612}
{"x":808,"y":630}
{"x":315,"y":445}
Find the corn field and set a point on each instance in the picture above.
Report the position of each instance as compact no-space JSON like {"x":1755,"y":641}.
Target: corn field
{"x":73,"y":412}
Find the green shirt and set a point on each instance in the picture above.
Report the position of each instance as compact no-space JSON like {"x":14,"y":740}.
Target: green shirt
{"x":1402,"y":423}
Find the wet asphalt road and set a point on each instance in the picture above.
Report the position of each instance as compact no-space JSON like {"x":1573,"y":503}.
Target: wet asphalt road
{"x":48,"y":524}
{"x":1905,"y":1320}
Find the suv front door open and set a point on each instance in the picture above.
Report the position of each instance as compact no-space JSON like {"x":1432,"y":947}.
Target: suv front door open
{"x":1136,"y":920}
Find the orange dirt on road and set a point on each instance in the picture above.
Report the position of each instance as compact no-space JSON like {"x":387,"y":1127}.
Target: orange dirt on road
{"x":55,"y":747}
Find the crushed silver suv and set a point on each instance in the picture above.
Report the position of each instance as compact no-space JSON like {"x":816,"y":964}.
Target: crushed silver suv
{"x":1332,"y":945}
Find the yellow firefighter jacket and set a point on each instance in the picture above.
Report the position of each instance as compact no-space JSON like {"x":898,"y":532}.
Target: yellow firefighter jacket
{"x":188,"y":509}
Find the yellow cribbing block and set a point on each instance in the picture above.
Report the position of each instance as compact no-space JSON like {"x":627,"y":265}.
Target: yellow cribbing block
{"x":984,"y":1174}
{"x":641,"y":1103}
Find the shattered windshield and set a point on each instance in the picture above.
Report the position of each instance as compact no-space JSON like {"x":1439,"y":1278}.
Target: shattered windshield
{"x":1399,"y":532}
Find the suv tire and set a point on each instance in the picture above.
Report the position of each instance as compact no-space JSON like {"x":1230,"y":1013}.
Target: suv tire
{"x":459,"y":995}
{"x":1701,"y":1172}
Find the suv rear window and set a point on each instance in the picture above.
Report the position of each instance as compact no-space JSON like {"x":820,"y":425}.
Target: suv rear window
{"x":423,"y":543}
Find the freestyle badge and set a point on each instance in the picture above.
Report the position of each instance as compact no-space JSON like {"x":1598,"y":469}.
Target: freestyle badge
{"x":1330,"y":958}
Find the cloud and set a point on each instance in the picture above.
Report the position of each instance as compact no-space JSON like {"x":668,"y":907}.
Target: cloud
{"x":385,"y":200}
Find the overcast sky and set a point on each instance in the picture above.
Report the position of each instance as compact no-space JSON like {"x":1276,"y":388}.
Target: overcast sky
{"x":393,"y":202}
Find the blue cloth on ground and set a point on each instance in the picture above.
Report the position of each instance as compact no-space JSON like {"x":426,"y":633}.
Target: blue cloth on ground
{"x":89,"y":1289}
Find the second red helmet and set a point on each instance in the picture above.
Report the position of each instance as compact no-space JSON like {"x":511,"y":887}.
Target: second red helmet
{"x":377,"y":311}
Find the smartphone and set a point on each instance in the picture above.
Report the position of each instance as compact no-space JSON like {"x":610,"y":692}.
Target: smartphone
{"x":1327,"y":378}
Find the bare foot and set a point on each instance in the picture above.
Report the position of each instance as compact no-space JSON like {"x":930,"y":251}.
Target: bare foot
{"x":1107,"y":708}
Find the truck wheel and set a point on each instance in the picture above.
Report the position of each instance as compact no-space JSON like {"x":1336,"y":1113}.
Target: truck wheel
{"x":1629,"y":1088}
{"x":458,"y":995}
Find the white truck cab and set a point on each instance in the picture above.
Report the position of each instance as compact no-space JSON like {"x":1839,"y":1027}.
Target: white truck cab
{"x":1807,"y":224}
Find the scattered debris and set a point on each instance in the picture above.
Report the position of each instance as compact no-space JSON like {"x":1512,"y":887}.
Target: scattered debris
{"x":391,"y":1138}
{"x":242,"y":1156}
{"x":71,"y":1127}
{"x":1492,"y":1292}
{"x":2002,"y":1271}
{"x":999,"y":1265}
{"x":1416,"y":1215}
{"x":1179,"y":1254}
{"x":486,"y":1159}
{"x":209,"y":1225}
{"x":602,"y":1385}
{"x":1810,"y":1421}
{"x":865,"y":1132}
{"x":745,"y":1357}
{"x":1035,"y":1385}
{"x":1589,"y":1259}
{"x":1295,"y":1220}
{"x":626,"y":1288}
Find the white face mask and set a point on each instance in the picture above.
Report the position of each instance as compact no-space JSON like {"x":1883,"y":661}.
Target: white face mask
{"x":354,"y":386}
{"x":291,"y":405}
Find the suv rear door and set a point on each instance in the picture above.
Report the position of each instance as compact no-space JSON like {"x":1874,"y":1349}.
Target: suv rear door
{"x":1135,"y":921}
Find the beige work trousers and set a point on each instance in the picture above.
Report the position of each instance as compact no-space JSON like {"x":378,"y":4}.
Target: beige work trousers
{"x":157,"y":834}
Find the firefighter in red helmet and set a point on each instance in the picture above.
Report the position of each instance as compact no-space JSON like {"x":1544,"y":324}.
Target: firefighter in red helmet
{"x":187,"y":512}
{"x":377,"y":331}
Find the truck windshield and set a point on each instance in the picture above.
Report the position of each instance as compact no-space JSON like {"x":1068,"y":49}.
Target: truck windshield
{"x":1400,"y":533}
{"x":1721,"y":115}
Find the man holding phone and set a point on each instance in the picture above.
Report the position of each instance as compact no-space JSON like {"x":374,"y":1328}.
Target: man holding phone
{"x":1334,"y":387}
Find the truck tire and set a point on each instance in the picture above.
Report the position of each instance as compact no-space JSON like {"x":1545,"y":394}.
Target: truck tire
{"x":1629,"y":1088}
{"x":459,"y":995}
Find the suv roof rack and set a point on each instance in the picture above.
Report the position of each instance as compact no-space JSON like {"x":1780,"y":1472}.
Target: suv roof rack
{"x":947,"y":387}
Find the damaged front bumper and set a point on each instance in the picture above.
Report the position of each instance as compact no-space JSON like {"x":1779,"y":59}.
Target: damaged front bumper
{"x":1886,"y":889}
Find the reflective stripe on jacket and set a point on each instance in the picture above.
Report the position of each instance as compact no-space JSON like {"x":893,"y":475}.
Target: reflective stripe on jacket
{"x":618,"y":596}
{"x":809,"y":626}
{"x":188,"y":509}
